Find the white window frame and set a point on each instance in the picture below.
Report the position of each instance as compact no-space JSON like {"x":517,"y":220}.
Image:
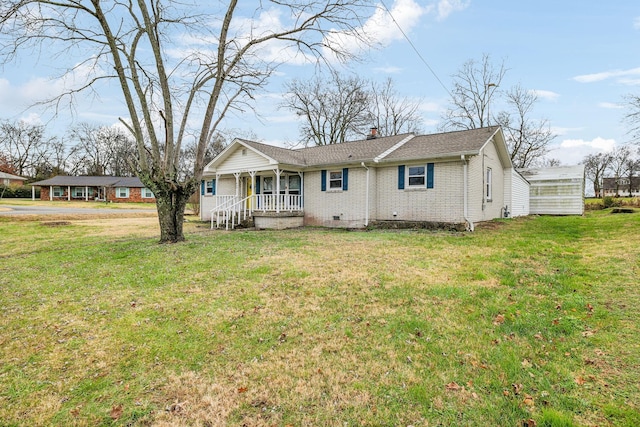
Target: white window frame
{"x":331,"y":180}
{"x":146,"y":193}
{"x":489,"y":185}
{"x":267,"y":181}
{"x":408,"y":176}
{"x":118,"y":194}
{"x":58,"y":191}
{"x":208,"y":187}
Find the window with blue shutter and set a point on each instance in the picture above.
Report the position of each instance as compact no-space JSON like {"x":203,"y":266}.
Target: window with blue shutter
{"x":257,"y":184}
{"x":202,"y":187}
{"x":213,"y":187}
{"x":323,"y":180}
{"x":401,"y":177}
{"x":345,"y":179}
{"x":429,"y":175}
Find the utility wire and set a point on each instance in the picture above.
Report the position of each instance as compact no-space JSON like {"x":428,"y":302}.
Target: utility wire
{"x":424,"y":61}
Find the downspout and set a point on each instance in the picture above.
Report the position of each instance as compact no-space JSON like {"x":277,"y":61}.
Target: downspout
{"x":465,"y":201}
{"x":366,"y":212}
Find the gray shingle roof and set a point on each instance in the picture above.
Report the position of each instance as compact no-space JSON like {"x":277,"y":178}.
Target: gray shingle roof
{"x":366,"y":150}
{"x":4,"y":175}
{"x":91,"y":181}
{"x":443,"y":144}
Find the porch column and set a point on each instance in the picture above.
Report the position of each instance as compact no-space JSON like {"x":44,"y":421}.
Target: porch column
{"x":301,"y":190}
{"x":253,"y":190}
{"x":237,"y":175}
{"x":86,"y":193}
{"x":68,"y":193}
{"x":33,"y":192}
{"x":50,"y":192}
{"x":278,"y":173}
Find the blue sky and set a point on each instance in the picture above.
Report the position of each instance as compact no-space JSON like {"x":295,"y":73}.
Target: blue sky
{"x":581,"y":58}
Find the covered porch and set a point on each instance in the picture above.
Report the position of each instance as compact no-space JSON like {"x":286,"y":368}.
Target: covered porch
{"x":270,"y":198}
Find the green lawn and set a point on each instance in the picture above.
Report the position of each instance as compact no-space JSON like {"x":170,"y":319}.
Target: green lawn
{"x":532,"y":321}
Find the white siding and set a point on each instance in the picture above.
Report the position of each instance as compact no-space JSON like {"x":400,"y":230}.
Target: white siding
{"x":519,"y":195}
{"x":244,"y":159}
{"x":224,"y":186}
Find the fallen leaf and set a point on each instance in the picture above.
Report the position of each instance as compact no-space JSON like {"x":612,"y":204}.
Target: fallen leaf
{"x":498,"y":320}
{"x":453,"y":386}
{"x":529,"y":423}
{"x":528,"y":400}
{"x":526,"y":364}
{"x":589,"y":308}
{"x":505,"y":392}
{"x":116,"y":412}
{"x":588,"y":333}
{"x":538,"y":336}
{"x":580,"y":380}
{"x":75,"y":412}
{"x":556,"y":321}
{"x":242,"y":389}
{"x":517,"y":388}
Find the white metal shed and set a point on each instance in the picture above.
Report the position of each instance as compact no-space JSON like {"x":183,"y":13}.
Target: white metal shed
{"x":556,"y":190}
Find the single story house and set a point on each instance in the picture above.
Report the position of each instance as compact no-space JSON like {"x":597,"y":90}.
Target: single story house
{"x":621,"y":187}
{"x":458,"y":178}
{"x":103,"y":188}
{"x":9,"y":179}
{"x":556,"y":190}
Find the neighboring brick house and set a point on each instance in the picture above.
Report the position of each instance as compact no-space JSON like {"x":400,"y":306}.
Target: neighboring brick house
{"x":11,"y":180}
{"x":103,"y":188}
{"x":621,"y":187}
{"x":457,"y":178}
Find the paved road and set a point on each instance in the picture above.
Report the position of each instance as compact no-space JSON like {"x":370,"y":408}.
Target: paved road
{"x":59,"y":210}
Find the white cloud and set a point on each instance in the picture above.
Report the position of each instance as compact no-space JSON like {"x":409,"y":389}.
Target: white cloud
{"x":598,"y":143}
{"x":573,"y":151}
{"x":611,"y":105}
{"x":390,"y":69}
{"x":546,"y":94}
{"x":622,"y":76}
{"x":447,"y":7}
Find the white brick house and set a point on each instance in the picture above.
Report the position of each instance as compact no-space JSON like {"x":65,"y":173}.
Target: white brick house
{"x":457,"y":178}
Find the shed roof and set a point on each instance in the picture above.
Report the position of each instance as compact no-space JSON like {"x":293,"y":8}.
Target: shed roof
{"x":553,"y":173}
{"x":91,"y":181}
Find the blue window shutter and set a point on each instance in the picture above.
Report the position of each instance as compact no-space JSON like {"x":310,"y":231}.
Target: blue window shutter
{"x":213,"y":187}
{"x":401,"y":177}
{"x":345,"y":179}
{"x":257,"y":184}
{"x":323,"y":179}
{"x":202,"y":188}
{"x":429,"y":175}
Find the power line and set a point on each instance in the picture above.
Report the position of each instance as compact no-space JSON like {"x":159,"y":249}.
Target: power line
{"x":424,"y":61}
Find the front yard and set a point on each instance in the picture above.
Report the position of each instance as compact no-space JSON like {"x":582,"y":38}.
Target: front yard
{"x":532,"y":321}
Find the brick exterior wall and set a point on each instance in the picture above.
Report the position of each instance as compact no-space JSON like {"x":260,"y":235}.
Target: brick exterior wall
{"x":135,"y":195}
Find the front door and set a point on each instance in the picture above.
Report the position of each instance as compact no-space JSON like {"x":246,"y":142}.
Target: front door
{"x":249,"y":192}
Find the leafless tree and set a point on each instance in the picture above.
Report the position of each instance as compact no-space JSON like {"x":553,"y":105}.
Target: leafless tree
{"x":333,"y":110}
{"x":26,"y":145}
{"x":473,"y":88}
{"x":632,"y":166}
{"x":527,"y":139}
{"x":391,"y":113}
{"x":101,"y":150}
{"x":595,"y":166}
{"x":618,"y":164}
{"x":181,"y":66}
{"x":632,"y":118}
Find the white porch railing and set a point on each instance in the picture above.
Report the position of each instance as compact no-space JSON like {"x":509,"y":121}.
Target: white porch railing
{"x":230,"y":210}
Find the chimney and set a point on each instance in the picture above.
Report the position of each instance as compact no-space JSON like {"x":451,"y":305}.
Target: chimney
{"x":373,"y":134}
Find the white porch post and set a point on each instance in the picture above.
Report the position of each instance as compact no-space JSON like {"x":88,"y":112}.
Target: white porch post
{"x":33,"y":192}
{"x":278,"y":173}
{"x":237,"y":175}
{"x":86,"y":193}
{"x":253,"y":191}
{"x":50,"y":192}
{"x":301,"y":190}
{"x":68,"y":193}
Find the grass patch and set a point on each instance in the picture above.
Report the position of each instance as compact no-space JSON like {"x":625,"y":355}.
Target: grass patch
{"x":529,"y":319}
